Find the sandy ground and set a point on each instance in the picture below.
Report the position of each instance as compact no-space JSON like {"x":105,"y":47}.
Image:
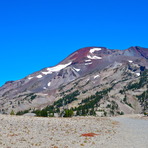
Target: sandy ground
{"x":35,"y":132}
{"x":132,"y":133}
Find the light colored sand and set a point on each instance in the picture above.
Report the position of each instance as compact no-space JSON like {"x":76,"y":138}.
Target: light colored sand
{"x":34,"y":132}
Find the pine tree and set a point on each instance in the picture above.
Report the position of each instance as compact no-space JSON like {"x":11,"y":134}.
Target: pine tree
{"x":12,"y":113}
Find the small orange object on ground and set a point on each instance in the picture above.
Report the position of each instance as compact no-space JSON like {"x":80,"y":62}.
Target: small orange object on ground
{"x":89,"y":135}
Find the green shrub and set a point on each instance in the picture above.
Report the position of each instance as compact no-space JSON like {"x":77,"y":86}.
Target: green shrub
{"x":68,"y":113}
{"x":12,"y":113}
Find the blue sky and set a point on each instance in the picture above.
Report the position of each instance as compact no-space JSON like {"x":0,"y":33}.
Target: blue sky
{"x":40,"y":33}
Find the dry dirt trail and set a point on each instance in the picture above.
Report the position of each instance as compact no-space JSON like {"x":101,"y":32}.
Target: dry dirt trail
{"x":77,"y":132}
{"x":133,"y":132}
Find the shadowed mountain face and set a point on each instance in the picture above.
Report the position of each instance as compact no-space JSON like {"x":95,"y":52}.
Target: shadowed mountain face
{"x":41,"y":88}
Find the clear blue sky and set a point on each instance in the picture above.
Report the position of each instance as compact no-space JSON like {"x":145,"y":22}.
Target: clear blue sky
{"x":40,"y":33}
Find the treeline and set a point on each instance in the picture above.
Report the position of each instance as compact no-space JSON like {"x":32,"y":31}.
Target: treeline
{"x":50,"y":111}
{"x":143,"y":99}
{"x":67,"y":99}
{"x":87,"y":106}
{"x":143,"y":81}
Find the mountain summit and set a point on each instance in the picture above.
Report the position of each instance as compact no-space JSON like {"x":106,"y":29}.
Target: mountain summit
{"x":90,"y":70}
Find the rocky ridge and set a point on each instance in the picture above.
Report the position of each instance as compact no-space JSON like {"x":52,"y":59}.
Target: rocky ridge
{"x":96,"y":79}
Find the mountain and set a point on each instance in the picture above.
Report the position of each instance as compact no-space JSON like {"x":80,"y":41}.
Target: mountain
{"x":95,"y":79}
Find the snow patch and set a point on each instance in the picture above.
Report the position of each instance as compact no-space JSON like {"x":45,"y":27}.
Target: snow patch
{"x":76,"y":69}
{"x":88,"y":60}
{"x":56,"y":68}
{"x":39,"y":76}
{"x":49,"y":84}
{"x":138,"y":74}
{"x":44,"y":88}
{"x":94,"y":49}
{"x":96,"y":76}
{"x":30,"y":78}
{"x":45,"y":94}
{"x":93,"y":57}
{"x":88,"y":63}
{"x":130,"y":61}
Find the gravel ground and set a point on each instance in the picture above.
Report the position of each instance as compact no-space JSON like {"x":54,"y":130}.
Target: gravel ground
{"x":133,"y":132}
{"x":31,"y":132}
{"x":35,"y":132}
